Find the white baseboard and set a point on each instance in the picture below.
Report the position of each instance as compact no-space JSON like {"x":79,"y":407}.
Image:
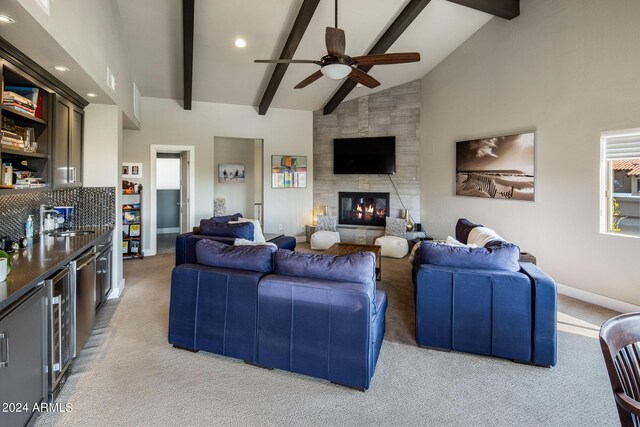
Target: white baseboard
{"x":602,"y":301}
{"x":115,"y":293}
{"x":168,"y":230}
{"x":148,"y":252}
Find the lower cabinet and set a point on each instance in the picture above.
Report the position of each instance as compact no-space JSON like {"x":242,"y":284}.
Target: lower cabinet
{"x":23,"y":359}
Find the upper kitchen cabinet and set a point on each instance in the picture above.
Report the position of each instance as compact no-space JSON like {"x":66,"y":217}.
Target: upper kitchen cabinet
{"x":42,"y":127}
{"x":25,"y":138}
{"x":67,"y":144}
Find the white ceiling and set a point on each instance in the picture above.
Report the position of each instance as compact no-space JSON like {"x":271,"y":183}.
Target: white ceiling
{"x":226,"y":74}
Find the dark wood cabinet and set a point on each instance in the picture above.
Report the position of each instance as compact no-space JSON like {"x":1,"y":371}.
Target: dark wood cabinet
{"x":23,"y":359}
{"x":67,"y":144}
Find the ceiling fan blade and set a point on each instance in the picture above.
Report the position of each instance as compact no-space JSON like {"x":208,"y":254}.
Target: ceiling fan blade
{"x":334,"y":38}
{"x":363,"y":78}
{"x":287,"y":61}
{"x":386,"y":58}
{"x":306,"y":82}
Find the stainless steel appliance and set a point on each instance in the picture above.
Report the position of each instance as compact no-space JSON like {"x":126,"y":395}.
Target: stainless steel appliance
{"x":83,"y":285}
{"x":61,"y":305}
{"x":103,"y":272}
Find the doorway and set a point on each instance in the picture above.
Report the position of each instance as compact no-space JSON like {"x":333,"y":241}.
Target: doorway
{"x":171,"y":193}
{"x":240,"y":175}
{"x":169,"y":210}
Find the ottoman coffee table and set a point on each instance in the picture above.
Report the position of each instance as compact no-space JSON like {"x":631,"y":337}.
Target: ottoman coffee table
{"x":351,"y":248}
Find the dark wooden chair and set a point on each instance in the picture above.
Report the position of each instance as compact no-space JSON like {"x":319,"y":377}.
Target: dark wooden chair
{"x":620,"y":343}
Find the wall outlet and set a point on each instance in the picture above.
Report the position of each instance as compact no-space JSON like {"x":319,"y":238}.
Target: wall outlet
{"x":280,"y":227}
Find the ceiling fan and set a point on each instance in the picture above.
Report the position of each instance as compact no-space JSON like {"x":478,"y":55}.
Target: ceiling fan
{"x":336,"y":65}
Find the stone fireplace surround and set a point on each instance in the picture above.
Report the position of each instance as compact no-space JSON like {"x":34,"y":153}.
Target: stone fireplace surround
{"x":392,"y":112}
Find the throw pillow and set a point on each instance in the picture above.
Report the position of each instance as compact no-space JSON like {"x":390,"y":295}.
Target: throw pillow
{"x":327,"y":223}
{"x":222,"y":229}
{"x":257,"y":230}
{"x":504,"y":257}
{"x":219,"y":206}
{"x":395,"y":227}
{"x":252,"y":258}
{"x":245,"y":242}
{"x":483,"y":236}
{"x":463,"y":227}
{"x":226,"y":218}
{"x":453,"y":242}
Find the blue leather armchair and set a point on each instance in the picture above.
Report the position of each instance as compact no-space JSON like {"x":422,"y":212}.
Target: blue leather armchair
{"x":507,"y":314}
{"x":323,"y":328}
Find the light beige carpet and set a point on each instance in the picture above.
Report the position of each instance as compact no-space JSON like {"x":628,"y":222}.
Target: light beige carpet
{"x":129,"y":375}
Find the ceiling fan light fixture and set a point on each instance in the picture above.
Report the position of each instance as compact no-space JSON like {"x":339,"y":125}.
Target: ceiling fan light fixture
{"x":336,"y":71}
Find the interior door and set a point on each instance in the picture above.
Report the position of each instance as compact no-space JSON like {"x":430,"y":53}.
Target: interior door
{"x":185,"y":164}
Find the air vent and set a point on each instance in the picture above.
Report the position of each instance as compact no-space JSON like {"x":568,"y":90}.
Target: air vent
{"x":111,"y":79}
{"x":136,"y":101}
{"x":45,"y":5}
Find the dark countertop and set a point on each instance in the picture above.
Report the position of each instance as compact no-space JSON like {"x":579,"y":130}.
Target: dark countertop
{"x":42,"y":258}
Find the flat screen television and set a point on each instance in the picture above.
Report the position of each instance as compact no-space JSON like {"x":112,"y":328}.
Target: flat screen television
{"x":376,"y":155}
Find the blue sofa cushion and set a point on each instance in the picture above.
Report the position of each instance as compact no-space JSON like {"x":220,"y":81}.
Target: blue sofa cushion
{"x":226,"y":218}
{"x":243,"y":230}
{"x":463,"y":227}
{"x":358,"y":267}
{"x":252,"y":258}
{"x":504,"y":257}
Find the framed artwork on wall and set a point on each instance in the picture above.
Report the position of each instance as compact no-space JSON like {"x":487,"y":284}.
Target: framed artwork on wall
{"x":132,"y":170}
{"x":231,"y":173}
{"x":288,"y":171}
{"x":500,"y":167}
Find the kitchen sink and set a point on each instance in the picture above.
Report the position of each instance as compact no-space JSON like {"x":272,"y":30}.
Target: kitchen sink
{"x":71,"y":233}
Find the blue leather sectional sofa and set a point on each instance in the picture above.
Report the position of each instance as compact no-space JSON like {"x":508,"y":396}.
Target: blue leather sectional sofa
{"x":484,"y":301}
{"x":315,"y":315}
{"x":220,"y":230}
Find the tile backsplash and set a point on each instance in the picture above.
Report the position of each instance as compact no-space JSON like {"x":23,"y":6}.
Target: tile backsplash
{"x":94,"y":206}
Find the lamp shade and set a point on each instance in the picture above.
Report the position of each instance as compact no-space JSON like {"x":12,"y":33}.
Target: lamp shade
{"x":336,"y":71}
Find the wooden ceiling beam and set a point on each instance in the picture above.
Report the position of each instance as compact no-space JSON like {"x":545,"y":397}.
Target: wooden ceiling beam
{"x":507,"y":9}
{"x":395,"y":30}
{"x":300,"y":25}
{"x":188,"y":18}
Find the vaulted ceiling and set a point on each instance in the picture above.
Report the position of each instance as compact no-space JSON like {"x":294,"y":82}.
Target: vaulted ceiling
{"x":226,"y":74}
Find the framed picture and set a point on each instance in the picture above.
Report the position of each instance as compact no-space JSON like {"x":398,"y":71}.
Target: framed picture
{"x":132,"y":170}
{"x":289,"y":171}
{"x":501,"y":167}
{"x":230,"y":173}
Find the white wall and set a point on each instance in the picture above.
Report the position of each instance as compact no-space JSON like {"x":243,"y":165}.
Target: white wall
{"x":568,"y":69}
{"x":91,"y":32}
{"x":239,"y":197}
{"x":283,"y":132}
{"x":102,"y":155}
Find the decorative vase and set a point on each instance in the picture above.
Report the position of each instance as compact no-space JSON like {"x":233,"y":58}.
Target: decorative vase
{"x":409,"y":221}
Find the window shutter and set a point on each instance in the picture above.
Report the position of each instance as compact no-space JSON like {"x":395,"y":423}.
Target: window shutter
{"x":622,"y":147}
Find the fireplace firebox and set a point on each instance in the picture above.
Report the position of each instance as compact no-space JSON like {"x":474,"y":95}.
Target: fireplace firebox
{"x":363,"y":208}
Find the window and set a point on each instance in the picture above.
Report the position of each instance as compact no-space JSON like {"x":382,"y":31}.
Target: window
{"x":620,"y":183}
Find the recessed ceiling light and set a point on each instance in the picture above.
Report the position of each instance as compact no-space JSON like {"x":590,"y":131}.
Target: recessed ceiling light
{"x":92,"y":95}
{"x":61,"y":68}
{"x":6,"y":19}
{"x":241,"y":43}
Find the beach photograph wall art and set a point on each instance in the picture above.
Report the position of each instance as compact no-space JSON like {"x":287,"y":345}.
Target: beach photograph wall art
{"x":501,"y":167}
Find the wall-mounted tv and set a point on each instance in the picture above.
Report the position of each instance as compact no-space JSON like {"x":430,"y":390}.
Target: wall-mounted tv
{"x":376,"y":155}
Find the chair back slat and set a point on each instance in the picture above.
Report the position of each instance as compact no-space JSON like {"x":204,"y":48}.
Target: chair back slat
{"x":620,"y":344}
